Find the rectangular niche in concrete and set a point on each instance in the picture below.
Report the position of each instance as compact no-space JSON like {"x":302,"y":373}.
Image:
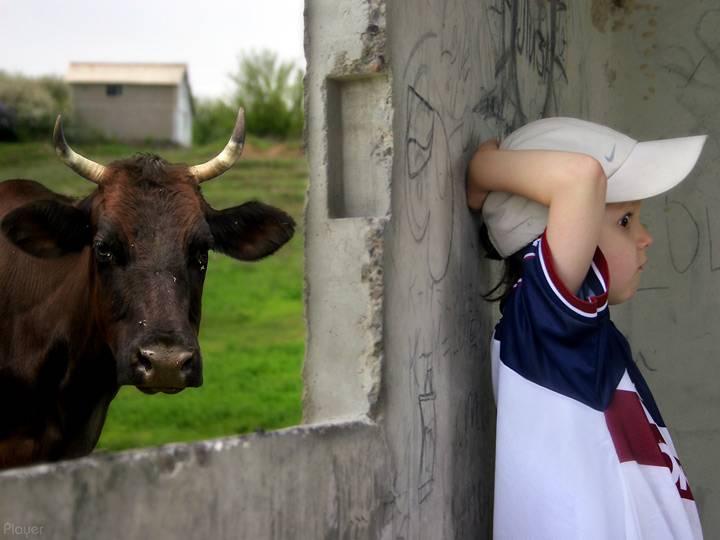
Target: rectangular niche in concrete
{"x":359,"y":146}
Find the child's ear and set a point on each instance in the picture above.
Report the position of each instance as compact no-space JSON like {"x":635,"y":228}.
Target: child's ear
{"x":47,"y":228}
{"x":250,"y":231}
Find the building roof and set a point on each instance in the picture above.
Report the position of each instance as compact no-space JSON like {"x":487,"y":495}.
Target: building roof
{"x":121,"y":73}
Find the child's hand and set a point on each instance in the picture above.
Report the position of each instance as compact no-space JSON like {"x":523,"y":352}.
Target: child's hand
{"x":476,"y":196}
{"x":490,"y":144}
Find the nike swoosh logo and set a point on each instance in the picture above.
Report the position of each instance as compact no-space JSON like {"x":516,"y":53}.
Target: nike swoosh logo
{"x":611,"y":156}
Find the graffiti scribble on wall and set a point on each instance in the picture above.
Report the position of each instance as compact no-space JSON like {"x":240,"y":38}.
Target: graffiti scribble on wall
{"x":530,"y":45}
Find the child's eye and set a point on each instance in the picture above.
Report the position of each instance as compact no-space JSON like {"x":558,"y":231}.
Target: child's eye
{"x":625,"y":220}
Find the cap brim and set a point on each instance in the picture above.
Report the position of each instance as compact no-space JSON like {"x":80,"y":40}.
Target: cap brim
{"x":653,"y":167}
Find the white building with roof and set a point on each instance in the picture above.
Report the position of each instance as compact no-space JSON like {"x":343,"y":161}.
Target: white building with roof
{"x":133,"y":101}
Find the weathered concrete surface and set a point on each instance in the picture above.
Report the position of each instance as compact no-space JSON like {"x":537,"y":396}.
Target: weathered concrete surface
{"x":350,"y":146}
{"x":294,"y":483}
{"x":463,"y":71}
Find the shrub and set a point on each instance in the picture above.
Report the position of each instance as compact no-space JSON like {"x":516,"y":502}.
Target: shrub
{"x":28,"y":106}
{"x":7,"y":124}
{"x":214,"y":120}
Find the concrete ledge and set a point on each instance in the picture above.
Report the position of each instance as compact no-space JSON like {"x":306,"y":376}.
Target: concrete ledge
{"x":328,"y":480}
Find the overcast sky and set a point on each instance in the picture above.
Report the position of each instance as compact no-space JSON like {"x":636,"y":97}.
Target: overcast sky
{"x":40,"y":37}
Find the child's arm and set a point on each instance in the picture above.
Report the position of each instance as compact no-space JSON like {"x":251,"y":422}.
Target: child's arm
{"x":571,"y":185}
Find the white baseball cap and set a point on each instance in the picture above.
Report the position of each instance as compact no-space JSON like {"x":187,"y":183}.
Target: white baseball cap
{"x":635,"y":171}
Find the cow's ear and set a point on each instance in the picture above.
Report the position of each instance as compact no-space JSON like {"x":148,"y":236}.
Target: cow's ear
{"x":250,"y":231}
{"x":47,"y":228}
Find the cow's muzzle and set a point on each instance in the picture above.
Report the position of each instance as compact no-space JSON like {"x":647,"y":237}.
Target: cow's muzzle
{"x":163,"y":368}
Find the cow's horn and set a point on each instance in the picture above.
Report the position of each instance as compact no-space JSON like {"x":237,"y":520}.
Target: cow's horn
{"x":81,"y":165}
{"x":225,"y":159}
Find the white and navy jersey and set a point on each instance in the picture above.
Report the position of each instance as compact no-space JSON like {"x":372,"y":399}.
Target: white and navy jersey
{"x":582,"y":451}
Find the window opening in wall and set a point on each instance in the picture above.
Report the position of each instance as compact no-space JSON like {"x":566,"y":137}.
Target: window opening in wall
{"x":114,"y":90}
{"x":359,"y":158}
{"x":253,"y":331}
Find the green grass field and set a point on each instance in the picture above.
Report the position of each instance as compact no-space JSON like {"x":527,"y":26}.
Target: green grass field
{"x":252,"y":333}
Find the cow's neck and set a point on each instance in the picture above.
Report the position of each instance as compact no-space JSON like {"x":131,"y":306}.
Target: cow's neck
{"x":57,"y":374}
{"x":91,"y":381}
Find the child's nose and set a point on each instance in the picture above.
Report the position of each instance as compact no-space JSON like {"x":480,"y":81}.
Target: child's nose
{"x":645,"y":240}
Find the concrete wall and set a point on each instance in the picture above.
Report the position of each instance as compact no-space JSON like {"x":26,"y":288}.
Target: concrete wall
{"x":461,"y":74}
{"x":183,"y":115}
{"x":400,"y":441}
{"x":138,"y":114}
{"x":295,"y":483}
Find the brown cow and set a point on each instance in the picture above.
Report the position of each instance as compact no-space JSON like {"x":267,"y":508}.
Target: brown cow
{"x":106,"y":291}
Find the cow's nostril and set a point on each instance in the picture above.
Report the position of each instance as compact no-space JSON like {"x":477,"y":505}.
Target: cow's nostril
{"x":187,"y":365}
{"x":144,"y":363}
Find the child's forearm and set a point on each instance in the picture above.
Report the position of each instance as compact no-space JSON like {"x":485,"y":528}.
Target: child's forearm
{"x":535,"y":174}
{"x":572,"y":185}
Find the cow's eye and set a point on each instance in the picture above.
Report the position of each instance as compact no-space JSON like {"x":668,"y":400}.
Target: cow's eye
{"x":202,"y":259}
{"x":103,"y":253}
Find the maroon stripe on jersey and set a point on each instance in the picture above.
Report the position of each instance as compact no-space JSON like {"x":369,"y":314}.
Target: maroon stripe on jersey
{"x":636,"y":439}
{"x":631,"y":432}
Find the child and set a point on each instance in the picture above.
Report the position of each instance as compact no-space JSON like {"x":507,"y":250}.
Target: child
{"x":582,"y":451}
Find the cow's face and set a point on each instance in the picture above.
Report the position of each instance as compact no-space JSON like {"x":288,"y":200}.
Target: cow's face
{"x":149,"y":257}
{"x":147,"y":231}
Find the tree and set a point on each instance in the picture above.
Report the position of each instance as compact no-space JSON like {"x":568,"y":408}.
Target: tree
{"x":271,"y":92}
